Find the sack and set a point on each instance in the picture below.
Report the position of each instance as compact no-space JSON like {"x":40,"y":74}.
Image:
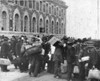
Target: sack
{"x":34,"y":50}
{"x":94,"y":73}
{"x":4,"y":61}
{"x":76,"y":69}
{"x":85,"y":58}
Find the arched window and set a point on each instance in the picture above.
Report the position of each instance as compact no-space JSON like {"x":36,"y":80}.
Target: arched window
{"x":37,"y":5}
{"x":4,"y":19}
{"x":52,"y":27}
{"x":40,"y":5}
{"x":10,"y":25}
{"x":30,"y":4}
{"x":59,"y":29}
{"x":34,"y":24}
{"x":42,"y":29}
{"x":62,"y":26}
{"x":25,"y":23}
{"x":21,"y":2}
{"x":16,"y":22}
{"x":56,"y":28}
{"x":47,"y":26}
{"x":44,"y":6}
{"x":62,"y":13}
{"x":33,"y":4}
{"x":57,"y":11}
{"x":52,"y":10}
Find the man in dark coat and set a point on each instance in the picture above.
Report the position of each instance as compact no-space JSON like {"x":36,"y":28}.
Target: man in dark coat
{"x":94,"y":61}
{"x":13,"y":47}
{"x":35,"y":65}
{"x":83,"y":53}
{"x":35,"y":60}
{"x":4,"y":53}
{"x":70,"y":61}
{"x":57,"y":58}
{"x":46,"y":47}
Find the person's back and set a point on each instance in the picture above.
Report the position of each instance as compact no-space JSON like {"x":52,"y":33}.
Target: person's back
{"x":5,"y":48}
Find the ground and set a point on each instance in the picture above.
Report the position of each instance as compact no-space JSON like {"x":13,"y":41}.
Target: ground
{"x":16,"y":75}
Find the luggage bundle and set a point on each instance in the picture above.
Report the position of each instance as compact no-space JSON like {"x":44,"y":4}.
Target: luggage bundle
{"x":94,"y":74}
{"x":33,"y":50}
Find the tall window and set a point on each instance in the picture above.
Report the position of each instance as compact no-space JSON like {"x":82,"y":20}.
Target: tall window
{"x":52,"y":27}
{"x":16,"y":22}
{"x":33,"y":4}
{"x":10,"y":25}
{"x":59,"y":12}
{"x":56,"y":28}
{"x":62,"y":25}
{"x":21,"y":2}
{"x":59,"y":29}
{"x":4,"y":19}
{"x":52,"y":10}
{"x":40,"y":5}
{"x":55,"y":11}
{"x":30,"y":4}
{"x":47,"y":26}
{"x":25,"y":23}
{"x":62,"y":13}
{"x":37,"y":5}
{"x":44,"y":7}
{"x":42,"y":29}
{"x":34,"y":24}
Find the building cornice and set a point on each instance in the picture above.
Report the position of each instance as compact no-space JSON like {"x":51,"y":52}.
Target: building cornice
{"x":58,"y":2}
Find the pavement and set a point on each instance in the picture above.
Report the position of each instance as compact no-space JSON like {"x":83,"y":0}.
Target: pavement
{"x":16,"y":75}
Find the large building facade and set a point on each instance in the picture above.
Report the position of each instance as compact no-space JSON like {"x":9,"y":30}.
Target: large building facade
{"x":28,"y":17}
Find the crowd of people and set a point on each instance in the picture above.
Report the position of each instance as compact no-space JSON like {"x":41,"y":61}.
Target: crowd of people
{"x":34,"y":55}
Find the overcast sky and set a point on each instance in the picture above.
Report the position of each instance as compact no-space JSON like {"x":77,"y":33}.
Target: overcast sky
{"x":81,"y":18}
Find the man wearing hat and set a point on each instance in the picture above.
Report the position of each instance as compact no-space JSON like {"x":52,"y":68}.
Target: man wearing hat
{"x":70,"y":60}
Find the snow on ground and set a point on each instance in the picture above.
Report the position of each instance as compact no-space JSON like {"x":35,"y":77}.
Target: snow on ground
{"x":11,"y":75}
{"x":15,"y":75}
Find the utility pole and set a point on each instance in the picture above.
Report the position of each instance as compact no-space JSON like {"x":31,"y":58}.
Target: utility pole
{"x":98,"y":18}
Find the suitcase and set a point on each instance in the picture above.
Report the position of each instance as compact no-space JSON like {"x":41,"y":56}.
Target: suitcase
{"x":4,"y":61}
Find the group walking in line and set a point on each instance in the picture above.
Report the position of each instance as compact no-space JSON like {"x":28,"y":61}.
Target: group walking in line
{"x":36,"y":55}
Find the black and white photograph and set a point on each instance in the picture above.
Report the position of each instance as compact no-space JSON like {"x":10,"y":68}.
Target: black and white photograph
{"x":49,"y":40}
